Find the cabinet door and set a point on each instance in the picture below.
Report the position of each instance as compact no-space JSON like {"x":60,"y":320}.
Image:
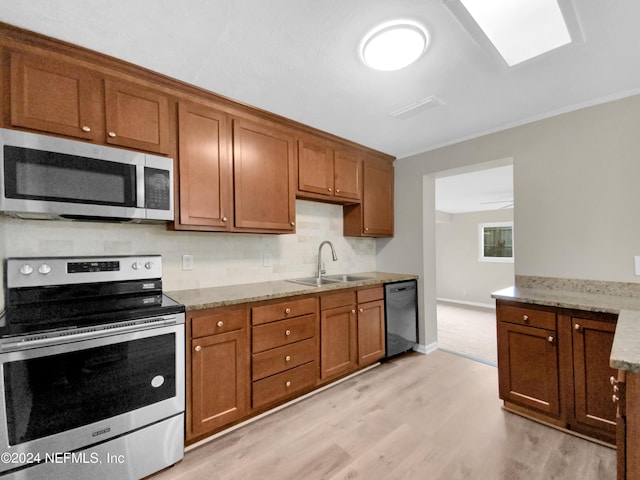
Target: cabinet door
{"x":338,"y":341}
{"x":592,"y":341}
{"x":219,"y":380}
{"x":528,"y":367}
{"x":136,"y":117}
{"x":347,"y":174}
{"x":263,"y":166}
{"x":54,"y":97}
{"x":378,"y":199}
{"x":315,"y":167}
{"x":204,"y":166}
{"x":371,"y":335}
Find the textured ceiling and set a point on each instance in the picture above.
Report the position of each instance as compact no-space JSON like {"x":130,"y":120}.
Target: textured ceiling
{"x":299,"y":59}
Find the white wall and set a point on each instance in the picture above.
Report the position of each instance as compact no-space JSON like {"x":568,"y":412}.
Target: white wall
{"x":577,"y":202}
{"x":219,"y":258}
{"x":460,"y":276}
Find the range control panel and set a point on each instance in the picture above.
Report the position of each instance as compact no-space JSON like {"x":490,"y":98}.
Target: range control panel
{"x":44,"y":271}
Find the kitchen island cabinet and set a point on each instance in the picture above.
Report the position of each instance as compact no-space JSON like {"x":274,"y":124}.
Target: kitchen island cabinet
{"x":553,"y":366}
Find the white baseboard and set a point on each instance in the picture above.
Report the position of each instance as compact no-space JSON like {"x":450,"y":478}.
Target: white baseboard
{"x":471,"y":304}
{"x":426,"y":349}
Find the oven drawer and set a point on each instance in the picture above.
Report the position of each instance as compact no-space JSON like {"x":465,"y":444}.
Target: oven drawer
{"x":219,"y":322}
{"x":284,"y":384}
{"x":282,"y":310}
{"x":527,"y":316}
{"x":284,"y":332}
{"x":283,"y":358}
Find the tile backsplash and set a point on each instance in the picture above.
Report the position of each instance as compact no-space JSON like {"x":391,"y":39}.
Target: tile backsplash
{"x":219,"y":258}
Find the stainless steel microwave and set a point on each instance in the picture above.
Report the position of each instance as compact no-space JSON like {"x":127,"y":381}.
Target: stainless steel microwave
{"x":56,"y":178}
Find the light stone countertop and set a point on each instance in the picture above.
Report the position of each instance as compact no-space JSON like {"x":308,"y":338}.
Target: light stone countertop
{"x":201,"y":298}
{"x":625,"y":353}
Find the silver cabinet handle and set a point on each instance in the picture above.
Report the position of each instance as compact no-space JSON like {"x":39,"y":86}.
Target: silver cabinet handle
{"x":337,"y":191}
{"x":329,"y":189}
{"x":112,"y":134}
{"x":198,"y":348}
{"x":287,"y":333}
{"x":525,"y":318}
{"x":287,"y":358}
{"x":293,"y":224}
{"x":612,"y":380}
{"x":224,"y":219}
{"x":361,"y":310}
{"x":86,"y":129}
{"x":550,"y":339}
{"x":220,"y":323}
{"x":577,"y":327}
{"x":287,"y":310}
{"x":353,"y":311}
{"x":287,"y":384}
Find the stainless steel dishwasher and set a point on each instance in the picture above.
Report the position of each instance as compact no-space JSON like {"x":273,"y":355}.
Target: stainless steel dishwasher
{"x":401,"y":316}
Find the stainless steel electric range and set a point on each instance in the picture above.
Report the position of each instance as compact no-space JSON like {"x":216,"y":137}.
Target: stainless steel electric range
{"x":91,"y":369}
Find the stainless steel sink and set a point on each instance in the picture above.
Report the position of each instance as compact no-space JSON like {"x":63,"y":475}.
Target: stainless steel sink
{"x":314,"y":281}
{"x":346,"y":278}
{"x":328,"y":280}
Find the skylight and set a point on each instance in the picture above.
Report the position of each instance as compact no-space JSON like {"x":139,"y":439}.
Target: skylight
{"x":520,"y":30}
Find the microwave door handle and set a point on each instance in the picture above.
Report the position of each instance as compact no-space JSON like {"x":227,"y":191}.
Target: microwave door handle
{"x":140,"y":185}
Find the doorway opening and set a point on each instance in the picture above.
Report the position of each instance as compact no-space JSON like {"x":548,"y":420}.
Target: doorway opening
{"x":474,"y":255}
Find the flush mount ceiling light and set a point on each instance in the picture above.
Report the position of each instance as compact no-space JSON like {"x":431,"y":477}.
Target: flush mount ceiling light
{"x":520,"y":30}
{"x":394,"y":45}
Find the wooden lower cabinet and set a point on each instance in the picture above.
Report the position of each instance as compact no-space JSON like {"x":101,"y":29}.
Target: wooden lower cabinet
{"x":371,"y":326}
{"x":592,"y":342}
{"x":338,"y":335}
{"x":553,"y":365}
{"x":528,"y":367}
{"x":218,"y":378}
{"x":284,"y":350}
{"x":246,"y":359}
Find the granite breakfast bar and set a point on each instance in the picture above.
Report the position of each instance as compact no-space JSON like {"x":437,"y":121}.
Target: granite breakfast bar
{"x":614,"y":300}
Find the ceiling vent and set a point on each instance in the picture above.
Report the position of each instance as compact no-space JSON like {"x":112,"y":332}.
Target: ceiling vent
{"x":424,"y":104}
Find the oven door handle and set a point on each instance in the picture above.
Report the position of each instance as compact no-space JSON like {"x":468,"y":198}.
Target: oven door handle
{"x":87,"y":333}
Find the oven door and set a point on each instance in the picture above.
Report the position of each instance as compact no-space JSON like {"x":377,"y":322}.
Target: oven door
{"x":60,"y":398}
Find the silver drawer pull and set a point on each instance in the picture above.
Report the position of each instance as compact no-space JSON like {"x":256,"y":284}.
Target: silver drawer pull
{"x":287,"y":384}
{"x":198,"y":348}
{"x":112,"y":134}
{"x":287,"y":358}
{"x":220,"y":323}
{"x":287,"y":310}
{"x":525,"y":318}
{"x":287,"y":333}
{"x":86,"y":129}
{"x":550,"y":339}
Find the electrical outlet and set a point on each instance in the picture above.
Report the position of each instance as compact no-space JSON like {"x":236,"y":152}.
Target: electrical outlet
{"x":636,"y":261}
{"x":187,"y":262}
{"x":267,"y":259}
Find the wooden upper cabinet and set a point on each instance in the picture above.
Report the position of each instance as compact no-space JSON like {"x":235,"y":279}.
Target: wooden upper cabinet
{"x":328,"y":172}
{"x":136,"y":116}
{"x":374,"y":216}
{"x":347,"y":174}
{"x":56,"y":97}
{"x":205,"y":168}
{"x":263,"y":166}
{"x":63,"y":98}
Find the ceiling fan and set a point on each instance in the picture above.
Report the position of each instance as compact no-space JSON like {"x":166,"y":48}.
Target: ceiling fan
{"x":509,"y":203}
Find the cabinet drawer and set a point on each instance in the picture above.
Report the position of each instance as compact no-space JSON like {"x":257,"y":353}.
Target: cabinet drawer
{"x":280,"y":359}
{"x":284,"y":332}
{"x":279,"y":311}
{"x":335,"y":300}
{"x":527,"y":316}
{"x":284,"y":384}
{"x":219,"y":322}
{"x":370,"y":294}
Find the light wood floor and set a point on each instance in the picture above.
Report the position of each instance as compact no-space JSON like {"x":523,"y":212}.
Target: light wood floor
{"x":418,"y":417}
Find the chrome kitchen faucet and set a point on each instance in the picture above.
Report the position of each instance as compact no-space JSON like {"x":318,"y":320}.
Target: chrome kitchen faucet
{"x":321,"y":270}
